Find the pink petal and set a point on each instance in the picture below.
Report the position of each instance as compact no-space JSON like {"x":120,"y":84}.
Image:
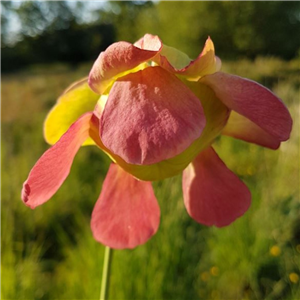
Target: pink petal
{"x":149,"y":42}
{"x":126,"y":214}
{"x":53,"y":167}
{"x":117,"y":58}
{"x":150,"y":116}
{"x":253,"y":101}
{"x":242,"y":128}
{"x":205,"y":63}
{"x":213,"y":195}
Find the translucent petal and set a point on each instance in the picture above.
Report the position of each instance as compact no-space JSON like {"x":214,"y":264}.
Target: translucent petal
{"x":242,"y":128}
{"x":74,"y":102}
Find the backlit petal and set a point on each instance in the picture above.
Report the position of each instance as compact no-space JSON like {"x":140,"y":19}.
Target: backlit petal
{"x":213,"y":195}
{"x":74,"y":102}
{"x":218,"y":64}
{"x":53,"y":167}
{"x":149,"y":42}
{"x":126,"y":214}
{"x":216,"y":115}
{"x":150,"y":116}
{"x":242,"y":128}
{"x":118,"y":58}
{"x":253,"y":101}
{"x":172,"y":59}
{"x":177,"y":62}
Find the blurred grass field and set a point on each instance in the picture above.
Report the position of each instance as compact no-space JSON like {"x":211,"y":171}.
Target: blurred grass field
{"x":49,"y":252}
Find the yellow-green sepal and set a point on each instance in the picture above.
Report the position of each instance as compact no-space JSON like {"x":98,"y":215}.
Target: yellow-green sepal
{"x":74,"y":102}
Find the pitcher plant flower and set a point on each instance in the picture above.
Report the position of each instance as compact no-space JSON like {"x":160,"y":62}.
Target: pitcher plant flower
{"x":155,"y":112}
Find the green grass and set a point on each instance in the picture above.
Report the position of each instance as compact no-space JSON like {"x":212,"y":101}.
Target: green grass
{"x":49,"y":252}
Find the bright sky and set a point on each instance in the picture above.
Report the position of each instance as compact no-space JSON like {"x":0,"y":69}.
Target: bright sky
{"x":87,"y":14}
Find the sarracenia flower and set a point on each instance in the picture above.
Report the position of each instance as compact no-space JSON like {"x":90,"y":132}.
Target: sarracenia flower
{"x":156,"y":112}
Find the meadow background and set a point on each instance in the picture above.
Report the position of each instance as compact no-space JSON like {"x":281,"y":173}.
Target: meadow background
{"x":49,"y":252}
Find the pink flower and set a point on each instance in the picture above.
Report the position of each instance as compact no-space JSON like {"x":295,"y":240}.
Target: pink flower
{"x":156,"y":112}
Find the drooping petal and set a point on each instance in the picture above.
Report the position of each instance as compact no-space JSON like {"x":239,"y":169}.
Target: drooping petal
{"x":74,"y":102}
{"x":53,"y":167}
{"x":253,"y":101}
{"x":216,"y":114}
{"x":150,"y":116}
{"x":242,"y":128}
{"x":118,"y":58}
{"x":126,"y":214}
{"x":177,"y":62}
{"x":213,"y":195}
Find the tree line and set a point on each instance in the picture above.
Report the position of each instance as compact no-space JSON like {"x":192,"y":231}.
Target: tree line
{"x":59,"y":31}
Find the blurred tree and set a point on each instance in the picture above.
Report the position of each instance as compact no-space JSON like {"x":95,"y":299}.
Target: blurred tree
{"x":256,"y":27}
{"x":53,"y":31}
{"x":72,"y":45}
{"x":38,"y":16}
{"x":124,"y":15}
{"x":175,"y":22}
{"x":60,"y":31}
{"x":32,"y":17}
{"x":246,"y":28}
{"x":6,"y":8}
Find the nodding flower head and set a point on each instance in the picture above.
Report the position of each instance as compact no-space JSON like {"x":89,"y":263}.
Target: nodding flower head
{"x":155,"y":112}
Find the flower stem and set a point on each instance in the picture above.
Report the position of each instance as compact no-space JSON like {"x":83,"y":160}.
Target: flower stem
{"x":106,"y":273}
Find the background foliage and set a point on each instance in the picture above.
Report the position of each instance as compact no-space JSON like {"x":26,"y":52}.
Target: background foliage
{"x":73,"y":32}
{"x":49,"y":252}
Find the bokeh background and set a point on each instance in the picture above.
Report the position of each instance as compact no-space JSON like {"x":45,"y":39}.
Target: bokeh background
{"x":49,"y":252}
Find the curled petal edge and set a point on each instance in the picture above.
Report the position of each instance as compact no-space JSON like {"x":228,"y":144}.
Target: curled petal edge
{"x":119,"y":59}
{"x":179,"y":63}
